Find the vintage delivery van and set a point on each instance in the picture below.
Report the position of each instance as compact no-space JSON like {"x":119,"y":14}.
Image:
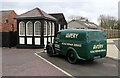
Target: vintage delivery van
{"x":79,"y":44}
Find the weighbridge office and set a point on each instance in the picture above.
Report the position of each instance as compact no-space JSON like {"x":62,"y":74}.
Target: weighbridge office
{"x":35,"y":32}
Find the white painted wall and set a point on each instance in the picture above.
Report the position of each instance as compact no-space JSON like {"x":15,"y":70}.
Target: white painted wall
{"x":37,"y":41}
{"x":21,"y":40}
{"x":29,"y":40}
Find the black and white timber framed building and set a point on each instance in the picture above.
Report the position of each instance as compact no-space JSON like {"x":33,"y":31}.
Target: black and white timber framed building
{"x":35,"y":28}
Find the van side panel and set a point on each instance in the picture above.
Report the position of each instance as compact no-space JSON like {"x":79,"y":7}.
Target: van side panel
{"x":79,"y":44}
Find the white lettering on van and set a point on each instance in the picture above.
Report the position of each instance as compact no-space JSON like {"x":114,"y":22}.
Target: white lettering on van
{"x":98,"y":46}
{"x":95,"y":51}
{"x":71,"y":35}
{"x":72,"y":44}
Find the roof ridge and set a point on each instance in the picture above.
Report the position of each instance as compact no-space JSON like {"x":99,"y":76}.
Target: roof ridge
{"x":36,"y":12}
{"x":40,"y":11}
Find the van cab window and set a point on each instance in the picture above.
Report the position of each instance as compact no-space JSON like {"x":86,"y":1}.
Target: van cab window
{"x":57,"y":35}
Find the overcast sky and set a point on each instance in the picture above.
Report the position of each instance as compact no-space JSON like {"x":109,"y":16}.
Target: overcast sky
{"x":91,"y":9}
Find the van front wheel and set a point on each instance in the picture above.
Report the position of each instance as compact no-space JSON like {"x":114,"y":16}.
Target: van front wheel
{"x":49,"y":51}
{"x":71,"y":57}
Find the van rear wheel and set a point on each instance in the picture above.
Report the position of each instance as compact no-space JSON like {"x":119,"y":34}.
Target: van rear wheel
{"x":49,"y":51}
{"x":71,"y":57}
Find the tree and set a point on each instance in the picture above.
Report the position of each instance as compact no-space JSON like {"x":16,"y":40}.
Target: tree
{"x":108,"y":22}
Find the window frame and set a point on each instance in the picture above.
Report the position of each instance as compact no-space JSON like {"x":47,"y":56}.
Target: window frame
{"x":45,"y":29}
{"x":53,"y":29}
{"x":49,"y":24}
{"x":20,"y":28}
{"x":27,"y":28}
{"x":35,"y":26}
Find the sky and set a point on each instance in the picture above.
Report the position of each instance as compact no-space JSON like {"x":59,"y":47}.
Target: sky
{"x":90,"y":9}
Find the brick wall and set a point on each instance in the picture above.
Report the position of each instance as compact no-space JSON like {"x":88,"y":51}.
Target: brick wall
{"x":8,"y":27}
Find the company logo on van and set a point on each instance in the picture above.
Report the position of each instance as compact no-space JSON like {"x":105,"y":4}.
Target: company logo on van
{"x":71,"y":35}
{"x":98,"y":46}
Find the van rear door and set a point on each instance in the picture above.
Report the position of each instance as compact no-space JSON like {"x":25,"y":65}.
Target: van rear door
{"x":97,"y":44}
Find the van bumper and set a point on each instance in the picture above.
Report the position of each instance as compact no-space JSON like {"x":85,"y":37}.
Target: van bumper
{"x":93,"y":56}
{"x":96,"y":55}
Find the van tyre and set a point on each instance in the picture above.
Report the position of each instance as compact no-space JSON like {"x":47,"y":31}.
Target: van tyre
{"x":49,"y":51}
{"x":71,"y":57}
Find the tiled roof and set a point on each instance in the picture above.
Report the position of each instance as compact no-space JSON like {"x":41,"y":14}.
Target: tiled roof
{"x":36,"y":12}
{"x":3,"y":14}
{"x":87,"y":24}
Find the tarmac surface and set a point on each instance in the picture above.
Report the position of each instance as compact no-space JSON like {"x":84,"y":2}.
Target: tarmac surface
{"x":24,"y":62}
{"x":99,"y":67}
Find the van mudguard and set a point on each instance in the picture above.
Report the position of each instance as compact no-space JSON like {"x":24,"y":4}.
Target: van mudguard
{"x":71,"y":48}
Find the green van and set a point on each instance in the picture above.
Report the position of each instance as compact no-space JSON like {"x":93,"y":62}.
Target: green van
{"x":79,"y":44}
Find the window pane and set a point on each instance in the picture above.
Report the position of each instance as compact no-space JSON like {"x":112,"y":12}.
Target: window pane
{"x":37,"y":28}
{"x":59,"y":27}
{"x":64,"y":26}
{"x":49,"y":28}
{"x":22,"y":28}
{"x":52,"y":28}
{"x":29,"y":29}
{"x":45,"y":28}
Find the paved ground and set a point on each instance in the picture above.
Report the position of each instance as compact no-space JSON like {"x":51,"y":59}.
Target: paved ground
{"x":117,"y":43}
{"x":23,"y":62}
{"x":113,"y":48}
{"x":100,"y":67}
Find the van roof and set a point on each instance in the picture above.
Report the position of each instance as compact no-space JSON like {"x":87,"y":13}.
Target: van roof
{"x":77,"y":30}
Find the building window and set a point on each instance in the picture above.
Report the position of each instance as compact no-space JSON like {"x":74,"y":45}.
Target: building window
{"x":22,"y":29}
{"x":29,"y":28}
{"x":49,"y":28}
{"x":37,"y":28}
{"x":45,"y":28}
{"x":64,"y":26}
{"x":52,"y":28}
{"x":59,"y":27}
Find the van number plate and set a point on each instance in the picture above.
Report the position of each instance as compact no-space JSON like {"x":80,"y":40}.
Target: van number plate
{"x":96,"y":57}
